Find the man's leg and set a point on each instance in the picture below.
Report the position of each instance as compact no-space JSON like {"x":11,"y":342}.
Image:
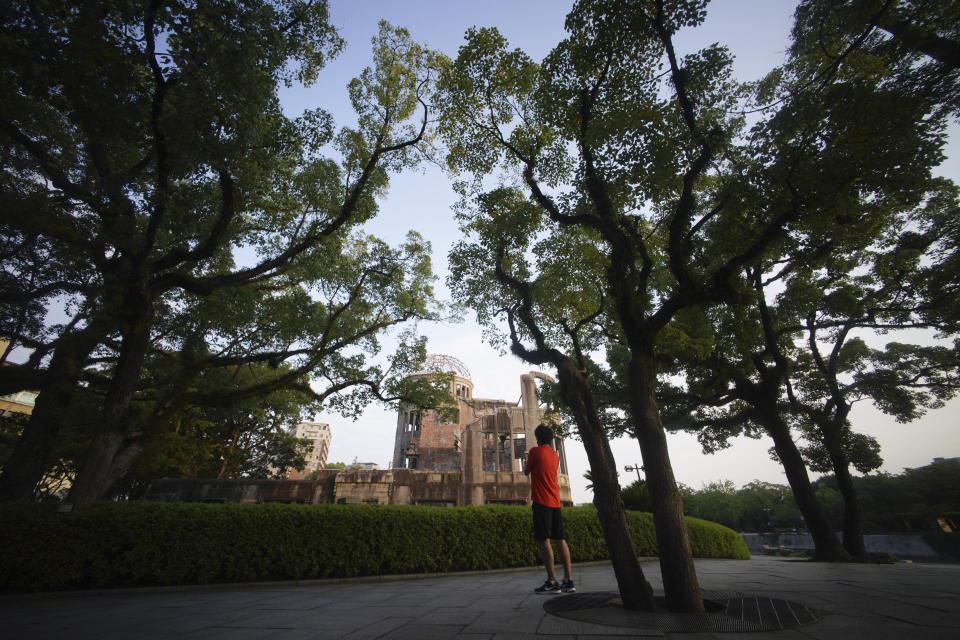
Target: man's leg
{"x":565,"y":559}
{"x":546,"y":553}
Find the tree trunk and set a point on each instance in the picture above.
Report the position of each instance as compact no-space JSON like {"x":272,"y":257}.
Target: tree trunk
{"x":635,"y":592}
{"x":28,"y":462}
{"x":852,"y":510}
{"x":827,"y":545}
{"x":96,"y":471}
{"x":944,"y":50}
{"x":680,"y":585}
{"x":100,"y":469}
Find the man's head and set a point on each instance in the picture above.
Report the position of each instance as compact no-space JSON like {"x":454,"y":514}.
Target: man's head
{"x":543,"y":434}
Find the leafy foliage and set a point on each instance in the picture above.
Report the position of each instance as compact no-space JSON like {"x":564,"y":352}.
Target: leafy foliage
{"x":173,"y":221}
{"x":636,"y":497}
{"x":591,"y":197}
{"x":757,"y":506}
{"x":913,"y":499}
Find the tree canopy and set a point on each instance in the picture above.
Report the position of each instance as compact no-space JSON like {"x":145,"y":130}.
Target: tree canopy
{"x":627,"y":219}
{"x":157,"y":200}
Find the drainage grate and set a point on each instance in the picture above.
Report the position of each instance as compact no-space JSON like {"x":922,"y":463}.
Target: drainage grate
{"x":727,"y":612}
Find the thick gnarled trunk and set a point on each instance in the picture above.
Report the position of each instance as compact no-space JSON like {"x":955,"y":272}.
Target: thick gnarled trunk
{"x":852,"y":510}
{"x":635,"y":592}
{"x":827,"y":545}
{"x":103,"y":463}
{"x":680,"y":584}
{"x":28,"y":462}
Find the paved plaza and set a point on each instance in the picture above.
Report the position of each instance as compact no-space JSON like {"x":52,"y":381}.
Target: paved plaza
{"x":877,"y":602}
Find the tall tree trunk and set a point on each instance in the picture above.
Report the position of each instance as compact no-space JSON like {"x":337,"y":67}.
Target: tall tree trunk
{"x":852,"y":509}
{"x":28,"y":462}
{"x":96,"y":472}
{"x":100,"y":469}
{"x":827,"y":545}
{"x":680,"y":585}
{"x":635,"y":592}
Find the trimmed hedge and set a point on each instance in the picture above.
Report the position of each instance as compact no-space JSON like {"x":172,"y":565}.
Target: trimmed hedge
{"x":142,"y":543}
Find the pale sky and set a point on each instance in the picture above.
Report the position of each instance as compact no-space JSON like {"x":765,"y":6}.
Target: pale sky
{"x":756,"y":31}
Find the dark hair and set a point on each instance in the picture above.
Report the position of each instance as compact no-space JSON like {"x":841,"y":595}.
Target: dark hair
{"x":543,"y":434}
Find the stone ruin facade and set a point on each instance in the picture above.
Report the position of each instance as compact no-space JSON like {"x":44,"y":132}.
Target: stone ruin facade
{"x":484,"y":450}
{"x":474,"y":461}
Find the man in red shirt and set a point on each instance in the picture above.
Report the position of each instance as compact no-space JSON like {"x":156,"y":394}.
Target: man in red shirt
{"x":541,"y":465}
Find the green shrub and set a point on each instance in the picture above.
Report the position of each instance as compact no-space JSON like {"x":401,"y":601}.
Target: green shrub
{"x":141,"y":543}
{"x":712,"y":540}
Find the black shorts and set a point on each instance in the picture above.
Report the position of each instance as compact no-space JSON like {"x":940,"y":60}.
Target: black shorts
{"x":547,"y":522}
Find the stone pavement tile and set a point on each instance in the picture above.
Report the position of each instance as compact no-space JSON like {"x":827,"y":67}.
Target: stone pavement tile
{"x":416,"y":631}
{"x":377,"y":629}
{"x":298,"y":606}
{"x":321,"y":628}
{"x":46,"y":632}
{"x":939,"y":633}
{"x":520,"y":622}
{"x":496,"y":603}
{"x":88,"y":624}
{"x":373,"y":597}
{"x":449,"y":615}
{"x":918,"y":615}
{"x":176,"y":626}
{"x":555,"y":625}
{"x":368,"y":612}
{"x":338,"y":624}
{"x":786,"y":634}
{"x":233,"y":633}
{"x":860,"y":604}
{"x":457,"y":601}
{"x":839,"y":628}
{"x":600,"y":636}
{"x":521,"y":588}
{"x":126,"y":634}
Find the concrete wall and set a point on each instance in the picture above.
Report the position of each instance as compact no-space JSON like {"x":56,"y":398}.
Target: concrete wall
{"x":382,"y":486}
{"x":903,"y":546}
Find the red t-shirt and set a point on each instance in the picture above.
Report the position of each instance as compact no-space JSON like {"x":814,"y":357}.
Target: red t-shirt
{"x":543,"y":463}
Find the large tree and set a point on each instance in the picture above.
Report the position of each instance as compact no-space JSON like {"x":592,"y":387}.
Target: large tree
{"x":642,"y":162}
{"x":548,"y":325}
{"x":147,"y":164}
{"x":792,"y":364}
{"x":880,"y":256}
{"x":836,"y":366}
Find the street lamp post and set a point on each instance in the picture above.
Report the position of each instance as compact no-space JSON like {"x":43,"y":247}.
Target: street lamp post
{"x":636,"y":468}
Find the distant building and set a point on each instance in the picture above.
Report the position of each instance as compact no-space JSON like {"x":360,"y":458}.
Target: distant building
{"x":485,"y":447}
{"x":476,"y":460}
{"x":318,"y":434}
{"x":20,"y":402}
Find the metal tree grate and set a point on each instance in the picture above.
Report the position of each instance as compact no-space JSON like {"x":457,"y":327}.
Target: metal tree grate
{"x":727,"y":612}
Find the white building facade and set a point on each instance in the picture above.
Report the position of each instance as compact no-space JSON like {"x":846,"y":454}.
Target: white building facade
{"x":318,"y":433}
